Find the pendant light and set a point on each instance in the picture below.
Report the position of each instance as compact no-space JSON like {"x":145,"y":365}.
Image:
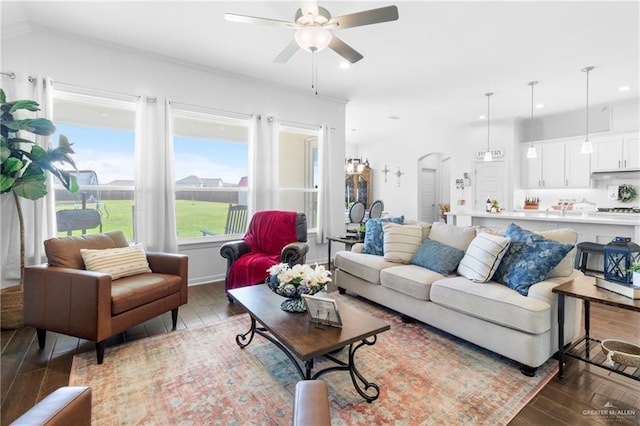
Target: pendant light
{"x":531,"y":152}
{"x":587,"y":147}
{"x":487,"y":155}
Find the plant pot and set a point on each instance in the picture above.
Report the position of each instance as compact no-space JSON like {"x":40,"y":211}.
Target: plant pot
{"x":636,"y":279}
{"x":12,"y":307}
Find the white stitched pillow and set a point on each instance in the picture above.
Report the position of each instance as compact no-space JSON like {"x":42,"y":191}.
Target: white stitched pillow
{"x":117,"y":262}
{"x":483,"y":256}
{"x":401,"y":241}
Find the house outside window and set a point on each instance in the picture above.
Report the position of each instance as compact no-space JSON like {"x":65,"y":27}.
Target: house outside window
{"x":102,"y":132}
{"x":211,"y":160}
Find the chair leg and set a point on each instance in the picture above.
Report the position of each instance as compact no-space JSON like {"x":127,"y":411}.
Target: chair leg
{"x":42,"y":337}
{"x":100,"y":350}
{"x":174,"y":318}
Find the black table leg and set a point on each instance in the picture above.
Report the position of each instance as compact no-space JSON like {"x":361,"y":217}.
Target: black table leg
{"x":561,"y":334}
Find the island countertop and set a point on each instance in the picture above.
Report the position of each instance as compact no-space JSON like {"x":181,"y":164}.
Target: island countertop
{"x":629,"y":219}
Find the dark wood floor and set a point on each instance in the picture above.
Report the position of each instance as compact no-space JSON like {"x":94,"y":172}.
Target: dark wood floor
{"x":28,"y":375}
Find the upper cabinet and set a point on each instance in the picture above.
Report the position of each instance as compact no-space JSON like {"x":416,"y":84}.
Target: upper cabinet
{"x":559,"y":164}
{"x":616,"y":152}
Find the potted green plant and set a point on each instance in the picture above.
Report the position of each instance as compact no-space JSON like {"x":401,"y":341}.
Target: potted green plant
{"x":24,"y":166}
{"x":635,"y":268}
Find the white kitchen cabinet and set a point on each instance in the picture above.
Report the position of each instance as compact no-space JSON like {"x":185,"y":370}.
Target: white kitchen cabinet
{"x":559,"y":164}
{"x":616,"y":152}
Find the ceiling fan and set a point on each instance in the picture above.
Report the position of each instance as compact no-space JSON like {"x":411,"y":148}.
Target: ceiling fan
{"x":315,"y":28}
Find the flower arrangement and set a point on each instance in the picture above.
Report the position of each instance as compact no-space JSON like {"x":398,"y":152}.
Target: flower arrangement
{"x":295,"y":281}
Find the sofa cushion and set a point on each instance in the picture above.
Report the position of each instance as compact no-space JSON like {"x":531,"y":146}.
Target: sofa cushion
{"x":130,"y":292}
{"x":438,"y":257}
{"x":483,"y":256}
{"x":454,"y":236}
{"x":401,"y":241}
{"x":362,"y":265}
{"x":562,"y":235}
{"x":492,"y":302}
{"x":529,"y":259}
{"x":64,"y":252}
{"x":374,"y":234}
{"x":117,"y":262}
{"x":412,"y":280}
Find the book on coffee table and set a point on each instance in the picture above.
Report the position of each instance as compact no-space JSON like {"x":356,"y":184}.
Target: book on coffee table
{"x":322,"y":310}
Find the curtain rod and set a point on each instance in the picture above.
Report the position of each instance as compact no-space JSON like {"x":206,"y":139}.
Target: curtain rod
{"x":208,"y":110}
{"x":93,"y":91}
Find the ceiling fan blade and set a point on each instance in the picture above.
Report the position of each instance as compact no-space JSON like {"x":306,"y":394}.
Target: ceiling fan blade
{"x":287,"y":53}
{"x":367,"y":17}
{"x":344,"y":50}
{"x":243,"y":19}
{"x":309,"y":7}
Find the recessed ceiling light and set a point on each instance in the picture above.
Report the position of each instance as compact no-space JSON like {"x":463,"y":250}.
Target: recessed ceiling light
{"x":394,"y":117}
{"x":539,"y":105}
{"x":624,"y":88}
{"x":104,"y":114}
{"x":345,"y":65}
{"x":482,"y":117}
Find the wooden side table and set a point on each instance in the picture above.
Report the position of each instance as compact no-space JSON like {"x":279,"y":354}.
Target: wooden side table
{"x":587,"y":348}
{"x":348,"y":243}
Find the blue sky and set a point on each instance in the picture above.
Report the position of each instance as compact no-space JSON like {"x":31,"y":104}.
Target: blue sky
{"x":111,"y":154}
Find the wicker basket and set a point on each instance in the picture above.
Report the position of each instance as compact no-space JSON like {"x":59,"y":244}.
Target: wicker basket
{"x":11,"y":307}
{"x":621,"y":352}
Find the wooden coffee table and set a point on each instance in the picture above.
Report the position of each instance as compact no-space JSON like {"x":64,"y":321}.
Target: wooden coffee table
{"x":302,"y":341}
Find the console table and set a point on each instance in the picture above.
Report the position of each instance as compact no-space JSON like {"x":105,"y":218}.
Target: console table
{"x":587,"y":348}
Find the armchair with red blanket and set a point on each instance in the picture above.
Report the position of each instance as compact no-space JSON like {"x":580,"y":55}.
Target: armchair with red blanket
{"x":273,"y":236}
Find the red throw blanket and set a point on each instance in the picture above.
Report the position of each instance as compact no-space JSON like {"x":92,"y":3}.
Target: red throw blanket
{"x":269,"y":231}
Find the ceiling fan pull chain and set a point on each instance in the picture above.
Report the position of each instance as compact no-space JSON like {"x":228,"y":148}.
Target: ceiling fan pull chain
{"x":314,"y":72}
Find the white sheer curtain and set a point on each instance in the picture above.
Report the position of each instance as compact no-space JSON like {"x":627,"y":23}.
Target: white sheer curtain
{"x":39,"y":215}
{"x":324,"y":176}
{"x":155,"y":224}
{"x":265,"y":160}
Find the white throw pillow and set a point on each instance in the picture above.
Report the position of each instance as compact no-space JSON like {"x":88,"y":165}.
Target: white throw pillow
{"x":117,"y":262}
{"x":451,"y":235}
{"x":483,"y":256}
{"x":401,"y":241}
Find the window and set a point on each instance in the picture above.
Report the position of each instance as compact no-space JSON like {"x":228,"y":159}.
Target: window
{"x":102,"y":132}
{"x":298,"y":180}
{"x":211,"y":172}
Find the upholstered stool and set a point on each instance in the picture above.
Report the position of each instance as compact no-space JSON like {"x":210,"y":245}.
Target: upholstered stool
{"x":582,"y":255}
{"x":311,"y":404}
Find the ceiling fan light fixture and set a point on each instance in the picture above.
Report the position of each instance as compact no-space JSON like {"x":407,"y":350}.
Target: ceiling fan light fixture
{"x":313,"y":39}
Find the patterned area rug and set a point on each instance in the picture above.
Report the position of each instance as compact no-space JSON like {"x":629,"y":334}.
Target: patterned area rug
{"x":200,"y":376}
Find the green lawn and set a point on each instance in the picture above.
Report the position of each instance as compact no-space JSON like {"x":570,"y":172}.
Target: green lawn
{"x":191,"y":217}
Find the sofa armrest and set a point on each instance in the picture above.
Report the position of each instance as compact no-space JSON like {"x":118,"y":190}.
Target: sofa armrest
{"x":173,"y":264}
{"x":357,"y":248}
{"x":232,"y":250}
{"x":50,"y":301}
{"x":70,"y":405}
{"x":294,"y":253}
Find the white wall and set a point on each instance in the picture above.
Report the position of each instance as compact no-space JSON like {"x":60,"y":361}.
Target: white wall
{"x":91,"y":64}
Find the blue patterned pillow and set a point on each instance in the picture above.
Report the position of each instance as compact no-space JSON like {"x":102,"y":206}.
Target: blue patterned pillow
{"x":374,"y":234}
{"x":438,"y":257}
{"x":529,"y":259}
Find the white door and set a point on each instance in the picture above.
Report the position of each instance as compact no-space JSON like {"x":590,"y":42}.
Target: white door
{"x":490,"y":182}
{"x":428,"y":195}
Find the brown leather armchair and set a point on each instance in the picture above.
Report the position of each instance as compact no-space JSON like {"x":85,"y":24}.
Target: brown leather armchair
{"x":69,"y":405}
{"x":63,"y":297}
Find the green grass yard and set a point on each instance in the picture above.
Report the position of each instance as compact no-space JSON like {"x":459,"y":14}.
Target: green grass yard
{"x":191,"y":217}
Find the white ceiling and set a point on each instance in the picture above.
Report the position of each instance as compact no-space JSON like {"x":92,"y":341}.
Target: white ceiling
{"x":433,"y":65}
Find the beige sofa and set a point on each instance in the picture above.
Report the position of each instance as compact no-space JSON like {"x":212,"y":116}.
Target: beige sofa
{"x":488,"y":314}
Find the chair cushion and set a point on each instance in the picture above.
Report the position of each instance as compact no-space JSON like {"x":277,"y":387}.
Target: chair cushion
{"x":130,"y":292}
{"x":64,"y":252}
{"x":118,"y":262}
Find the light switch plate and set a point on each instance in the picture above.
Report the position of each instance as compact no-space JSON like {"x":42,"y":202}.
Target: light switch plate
{"x":612,"y":192}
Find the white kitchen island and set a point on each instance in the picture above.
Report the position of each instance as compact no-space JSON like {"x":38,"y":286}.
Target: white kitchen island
{"x":595,"y":227}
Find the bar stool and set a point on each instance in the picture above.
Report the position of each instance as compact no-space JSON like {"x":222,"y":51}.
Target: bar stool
{"x":582,"y":255}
